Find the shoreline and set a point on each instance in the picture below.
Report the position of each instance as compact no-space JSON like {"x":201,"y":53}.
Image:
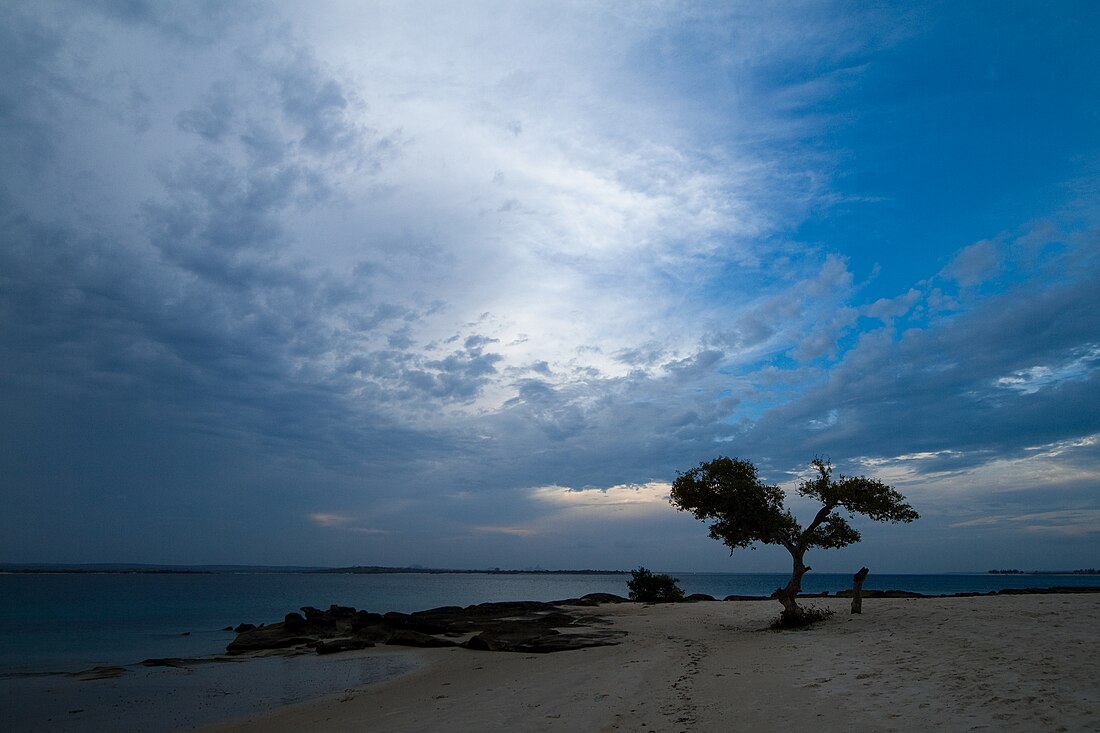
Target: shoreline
{"x":1010,"y":663}
{"x":1042,"y":634}
{"x":191,"y":694}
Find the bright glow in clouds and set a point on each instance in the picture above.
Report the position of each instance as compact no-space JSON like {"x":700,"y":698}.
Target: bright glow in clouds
{"x":629,"y":500}
{"x":338,"y":283}
{"x":329,"y":520}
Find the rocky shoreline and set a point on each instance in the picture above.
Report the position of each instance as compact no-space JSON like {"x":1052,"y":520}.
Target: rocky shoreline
{"x":516,"y":626}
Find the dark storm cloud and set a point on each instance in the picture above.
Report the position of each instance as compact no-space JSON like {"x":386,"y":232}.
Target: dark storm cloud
{"x":258,"y":289}
{"x":213,"y":117}
{"x":200,"y":21}
{"x":545,"y":406}
{"x":207,"y":323}
{"x":459,"y":376}
{"x":694,"y":366}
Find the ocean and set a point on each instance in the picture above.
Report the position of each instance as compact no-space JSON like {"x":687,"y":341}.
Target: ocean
{"x":68,"y":622}
{"x":56,"y":624}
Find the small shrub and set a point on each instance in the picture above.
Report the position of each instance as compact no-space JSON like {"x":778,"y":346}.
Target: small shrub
{"x":649,"y":588}
{"x":809,"y":615}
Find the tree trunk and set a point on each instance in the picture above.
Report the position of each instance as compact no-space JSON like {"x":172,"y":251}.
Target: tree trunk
{"x":857,"y":590}
{"x":792,"y":612}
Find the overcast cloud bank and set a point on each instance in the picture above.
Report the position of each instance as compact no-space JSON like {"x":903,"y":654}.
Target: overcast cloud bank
{"x":465,"y":285}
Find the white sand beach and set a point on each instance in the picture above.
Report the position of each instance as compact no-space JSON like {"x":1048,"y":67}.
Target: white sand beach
{"x":1004,"y":663}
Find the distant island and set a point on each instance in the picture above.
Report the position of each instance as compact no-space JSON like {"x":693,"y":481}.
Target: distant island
{"x":211,"y":569}
{"x":116,"y":571}
{"x":134,"y":568}
{"x":379,"y":570}
{"x":1082,"y":571}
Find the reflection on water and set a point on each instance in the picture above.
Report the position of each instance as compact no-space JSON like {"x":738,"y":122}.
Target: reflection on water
{"x":178,"y":699}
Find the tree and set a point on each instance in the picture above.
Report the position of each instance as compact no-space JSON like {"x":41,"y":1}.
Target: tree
{"x":645,"y":586}
{"x":743,"y":510}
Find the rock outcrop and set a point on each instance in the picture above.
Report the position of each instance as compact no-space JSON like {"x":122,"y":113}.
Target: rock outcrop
{"x":519,"y":626}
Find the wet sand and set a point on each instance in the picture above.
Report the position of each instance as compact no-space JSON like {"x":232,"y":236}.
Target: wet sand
{"x":181,"y":698}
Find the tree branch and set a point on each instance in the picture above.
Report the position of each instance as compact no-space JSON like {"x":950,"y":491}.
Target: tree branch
{"x":822,"y":514}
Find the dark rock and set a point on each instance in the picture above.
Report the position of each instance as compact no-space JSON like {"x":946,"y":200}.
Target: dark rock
{"x":241,"y":628}
{"x":746,"y":598}
{"x":99,"y":673}
{"x":365,"y":618}
{"x":314,"y":614}
{"x":378,"y":633}
{"x":175,"y":662}
{"x":549,"y":644}
{"x":428,"y":623}
{"x":275,"y":636}
{"x":496,"y":641}
{"x":1047,"y":591}
{"x":604,"y":598}
{"x":332,"y":646}
{"x":444,"y":610}
{"x":699,"y":597}
{"x":847,"y":593}
{"x":406,"y":637}
{"x":546,"y":643}
{"x":478,"y":643}
{"x":557,"y":619}
{"x":527,"y":626}
{"x":395,"y":619}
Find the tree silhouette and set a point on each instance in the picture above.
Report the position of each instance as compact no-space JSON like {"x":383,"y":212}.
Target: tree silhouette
{"x":743,"y":510}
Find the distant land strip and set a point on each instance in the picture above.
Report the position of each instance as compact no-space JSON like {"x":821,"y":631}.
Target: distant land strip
{"x":115,"y":571}
{"x":212,"y":569}
{"x":1081,"y":571}
{"x":378,"y":570}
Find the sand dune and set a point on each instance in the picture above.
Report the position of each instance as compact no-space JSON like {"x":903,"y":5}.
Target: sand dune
{"x":1008,"y":663}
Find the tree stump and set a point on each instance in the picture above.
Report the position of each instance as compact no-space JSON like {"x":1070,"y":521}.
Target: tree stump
{"x":857,"y":590}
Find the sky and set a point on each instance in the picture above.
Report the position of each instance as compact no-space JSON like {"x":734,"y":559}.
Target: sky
{"x":466,"y":284}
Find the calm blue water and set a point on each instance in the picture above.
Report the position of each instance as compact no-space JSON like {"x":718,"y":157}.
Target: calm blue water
{"x":71,"y":622}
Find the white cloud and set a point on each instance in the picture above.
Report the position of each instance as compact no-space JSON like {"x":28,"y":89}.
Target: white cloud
{"x":511,"y":531}
{"x":539,"y":183}
{"x":1039,"y":377}
{"x":343,"y":522}
{"x":1067,"y":522}
{"x":957,"y":484}
{"x":330,"y":520}
{"x":1061,"y":447}
{"x":614,"y":502}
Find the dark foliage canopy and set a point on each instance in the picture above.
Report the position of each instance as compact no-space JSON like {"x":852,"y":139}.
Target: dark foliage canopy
{"x":646,"y":586}
{"x":742,"y":509}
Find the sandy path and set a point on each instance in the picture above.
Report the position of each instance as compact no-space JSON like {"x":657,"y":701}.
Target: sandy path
{"x":1011,"y":663}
